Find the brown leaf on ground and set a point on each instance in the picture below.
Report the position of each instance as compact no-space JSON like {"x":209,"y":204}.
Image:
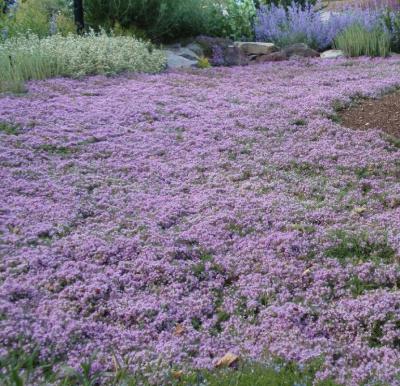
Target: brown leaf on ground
{"x":228,"y":360}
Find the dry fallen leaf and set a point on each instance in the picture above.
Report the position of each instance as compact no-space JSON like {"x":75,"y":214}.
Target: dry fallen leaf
{"x":177,"y":374}
{"x":179,"y":330}
{"x":228,"y":360}
{"x":359,"y":209}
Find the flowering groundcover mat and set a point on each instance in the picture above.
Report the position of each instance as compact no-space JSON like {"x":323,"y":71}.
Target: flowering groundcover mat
{"x":165,"y":220}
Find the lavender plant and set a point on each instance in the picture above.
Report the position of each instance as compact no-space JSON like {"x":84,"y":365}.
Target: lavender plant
{"x":306,"y":24}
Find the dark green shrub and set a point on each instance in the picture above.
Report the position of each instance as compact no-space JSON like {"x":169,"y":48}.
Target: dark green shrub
{"x":392,"y":23}
{"x":285,"y":3}
{"x":162,"y":20}
{"x":170,"y":20}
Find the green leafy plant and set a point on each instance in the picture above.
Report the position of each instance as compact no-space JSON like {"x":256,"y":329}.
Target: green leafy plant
{"x":236,"y":19}
{"x":162,"y":20}
{"x":169,"y":20}
{"x":41,"y":17}
{"x":203,"y":62}
{"x":392,"y":23}
{"x":29,"y":57}
{"x":358,"y":41}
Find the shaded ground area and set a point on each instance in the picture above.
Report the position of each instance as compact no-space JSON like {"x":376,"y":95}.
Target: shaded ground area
{"x":162,"y":221}
{"x":382,"y":113}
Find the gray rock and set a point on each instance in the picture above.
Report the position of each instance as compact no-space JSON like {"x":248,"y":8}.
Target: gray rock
{"x":187,"y":53}
{"x":332,"y":54}
{"x":300,"y":50}
{"x":208,"y":44}
{"x":176,"y":61}
{"x":273,"y":57}
{"x":233,"y":56}
{"x":256,"y":48}
{"x":196,"y":48}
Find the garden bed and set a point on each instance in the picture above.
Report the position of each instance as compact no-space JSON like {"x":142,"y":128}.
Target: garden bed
{"x":156,"y":222}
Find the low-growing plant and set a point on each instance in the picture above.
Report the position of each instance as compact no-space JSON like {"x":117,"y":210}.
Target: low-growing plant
{"x":24,"y":58}
{"x":360,"y":247}
{"x":203,"y":62}
{"x":357,"y":40}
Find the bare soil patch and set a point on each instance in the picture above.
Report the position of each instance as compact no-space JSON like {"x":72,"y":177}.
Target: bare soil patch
{"x":382,"y":113}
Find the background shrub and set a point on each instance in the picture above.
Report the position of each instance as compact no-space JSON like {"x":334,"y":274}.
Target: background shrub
{"x":236,"y":19}
{"x":163,"y":20}
{"x":41,"y":17}
{"x":169,"y":20}
{"x":356,"y":40}
{"x":391,"y":20}
{"x":29,"y":57}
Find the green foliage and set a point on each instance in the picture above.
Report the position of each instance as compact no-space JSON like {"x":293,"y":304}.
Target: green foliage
{"x":24,"y":58}
{"x":9,"y":128}
{"x":237,"y":19}
{"x":392,"y":23}
{"x":21,"y":368}
{"x":169,"y":20}
{"x":41,"y":17}
{"x":163,"y":20}
{"x":277,"y":373}
{"x":203,"y":62}
{"x":285,"y":3}
{"x":360,"y":247}
{"x":358,"y":41}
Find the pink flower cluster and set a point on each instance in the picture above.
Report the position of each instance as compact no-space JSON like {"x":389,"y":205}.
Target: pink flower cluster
{"x":167,"y":219}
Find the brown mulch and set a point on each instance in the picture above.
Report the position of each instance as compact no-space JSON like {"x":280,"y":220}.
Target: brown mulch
{"x":382,"y":113}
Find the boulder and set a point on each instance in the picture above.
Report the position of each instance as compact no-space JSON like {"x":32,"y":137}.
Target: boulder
{"x":208,"y":44}
{"x":196,"y":48}
{"x":332,"y":54}
{"x":233,"y":56}
{"x":300,"y":50}
{"x":256,"y":48}
{"x":187,"y":53}
{"x":273,"y":57}
{"x":176,"y":61}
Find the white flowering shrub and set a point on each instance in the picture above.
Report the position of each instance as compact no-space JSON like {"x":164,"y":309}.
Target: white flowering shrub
{"x":29,"y":57}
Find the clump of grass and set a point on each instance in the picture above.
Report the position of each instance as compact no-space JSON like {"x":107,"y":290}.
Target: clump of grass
{"x":360,"y":247}
{"x":358,"y":41}
{"x":21,"y":367}
{"x":9,"y":128}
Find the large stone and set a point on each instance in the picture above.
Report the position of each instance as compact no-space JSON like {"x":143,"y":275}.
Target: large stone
{"x":233,"y":56}
{"x":176,"y":61}
{"x":273,"y":57}
{"x":187,"y":53}
{"x":332,"y":54}
{"x":196,"y":48}
{"x":300,"y":50}
{"x":208,"y":44}
{"x":256,"y":48}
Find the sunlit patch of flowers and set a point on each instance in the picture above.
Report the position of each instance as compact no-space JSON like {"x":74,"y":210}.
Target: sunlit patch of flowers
{"x":161,"y":221}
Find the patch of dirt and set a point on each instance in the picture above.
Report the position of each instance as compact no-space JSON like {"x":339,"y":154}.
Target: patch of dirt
{"x":382,"y":113}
